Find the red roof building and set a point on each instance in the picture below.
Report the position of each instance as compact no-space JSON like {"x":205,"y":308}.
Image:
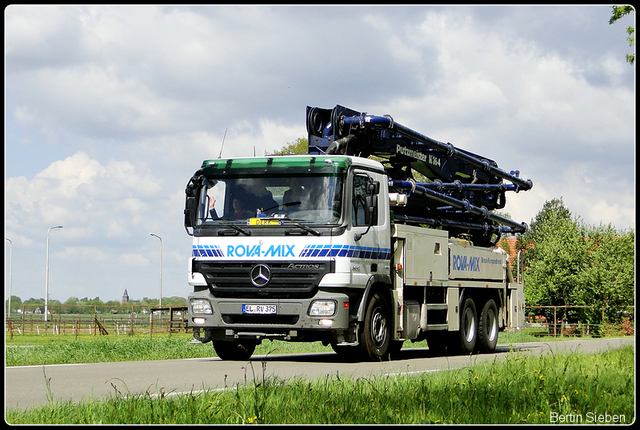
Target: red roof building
{"x":509,"y":245}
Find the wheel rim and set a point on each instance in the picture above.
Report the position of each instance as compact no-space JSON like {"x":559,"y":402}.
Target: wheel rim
{"x":469,"y":325}
{"x":492,"y":324}
{"x":378,"y":328}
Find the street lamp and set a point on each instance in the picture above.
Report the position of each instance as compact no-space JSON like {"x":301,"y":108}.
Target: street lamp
{"x":10,"y":255}
{"x":46,"y":285}
{"x":160,"y":302}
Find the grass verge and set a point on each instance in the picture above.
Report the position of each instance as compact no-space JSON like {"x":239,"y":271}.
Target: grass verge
{"x":526,"y":389}
{"x":27,"y":350}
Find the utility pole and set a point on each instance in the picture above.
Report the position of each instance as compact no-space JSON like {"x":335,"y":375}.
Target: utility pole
{"x":160,"y":301}
{"x":46,"y":284}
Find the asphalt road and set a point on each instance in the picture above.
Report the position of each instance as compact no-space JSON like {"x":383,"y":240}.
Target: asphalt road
{"x":26,"y":386}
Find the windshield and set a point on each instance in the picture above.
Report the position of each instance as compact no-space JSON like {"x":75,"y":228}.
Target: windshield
{"x":312,"y":199}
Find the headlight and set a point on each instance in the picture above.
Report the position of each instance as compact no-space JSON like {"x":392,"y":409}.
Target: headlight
{"x":201,"y":306}
{"x":322,"y":308}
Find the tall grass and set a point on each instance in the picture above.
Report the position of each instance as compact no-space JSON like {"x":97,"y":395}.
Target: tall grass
{"x":521,"y":389}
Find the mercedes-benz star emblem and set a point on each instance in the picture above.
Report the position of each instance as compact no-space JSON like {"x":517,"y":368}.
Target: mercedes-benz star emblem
{"x":260,"y":275}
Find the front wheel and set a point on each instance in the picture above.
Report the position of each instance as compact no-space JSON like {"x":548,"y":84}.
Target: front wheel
{"x":234,"y":350}
{"x":375,"y":337}
{"x":345,"y":350}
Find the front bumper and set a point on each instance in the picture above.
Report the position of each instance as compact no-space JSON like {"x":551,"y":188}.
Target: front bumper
{"x":290,"y":320}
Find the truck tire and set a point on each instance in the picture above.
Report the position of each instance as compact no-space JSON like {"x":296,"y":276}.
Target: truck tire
{"x":488,"y":327}
{"x":375,"y":336}
{"x":234,"y":350}
{"x":345,"y":350}
{"x":468,"y":327}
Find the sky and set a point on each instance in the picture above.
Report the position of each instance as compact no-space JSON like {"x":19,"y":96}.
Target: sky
{"x":109,"y":110}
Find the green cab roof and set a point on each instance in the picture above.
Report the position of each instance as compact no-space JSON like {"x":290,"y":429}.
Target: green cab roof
{"x":287,"y":164}
{"x":322,"y":162}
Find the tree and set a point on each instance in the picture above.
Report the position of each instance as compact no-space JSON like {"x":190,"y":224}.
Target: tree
{"x":567,"y":263}
{"x":618,"y":12}
{"x":16,"y":303}
{"x":174,"y":301}
{"x":551,"y":211}
{"x":608,"y":278}
{"x":556,"y":258}
{"x":71,"y":306}
{"x":298,"y":146}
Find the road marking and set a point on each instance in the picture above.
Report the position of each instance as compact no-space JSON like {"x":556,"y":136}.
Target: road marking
{"x":47,"y":365}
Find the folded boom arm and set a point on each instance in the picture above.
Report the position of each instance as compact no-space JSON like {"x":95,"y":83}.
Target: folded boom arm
{"x":459,"y":189}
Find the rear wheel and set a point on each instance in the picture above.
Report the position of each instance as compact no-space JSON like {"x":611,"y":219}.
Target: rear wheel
{"x":375,"y":337}
{"x":234,"y":350}
{"x":488,"y":327}
{"x":468,"y":327}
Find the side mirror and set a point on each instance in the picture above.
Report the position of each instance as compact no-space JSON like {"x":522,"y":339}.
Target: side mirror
{"x":190,"y":210}
{"x":191,"y":202}
{"x":373,"y":188}
{"x":371,"y":206}
{"x":371,"y":201}
{"x":370,"y":209}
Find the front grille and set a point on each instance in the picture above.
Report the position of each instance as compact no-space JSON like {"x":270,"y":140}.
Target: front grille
{"x":288,"y":279}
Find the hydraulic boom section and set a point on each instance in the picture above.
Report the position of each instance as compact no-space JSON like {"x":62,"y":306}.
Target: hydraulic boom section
{"x":459,"y":189}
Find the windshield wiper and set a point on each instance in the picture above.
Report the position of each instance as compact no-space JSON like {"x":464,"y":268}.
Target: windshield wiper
{"x":306,"y":228}
{"x":236,"y":228}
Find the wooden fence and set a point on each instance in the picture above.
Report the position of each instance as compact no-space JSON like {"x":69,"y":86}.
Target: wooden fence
{"x":127,"y":321}
{"x":580,"y":320}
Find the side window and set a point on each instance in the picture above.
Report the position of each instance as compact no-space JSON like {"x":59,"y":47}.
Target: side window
{"x":358,"y":202}
{"x":214,"y":200}
{"x":363,"y":197}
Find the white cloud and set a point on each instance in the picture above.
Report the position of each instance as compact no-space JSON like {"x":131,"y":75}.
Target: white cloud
{"x":111,"y":109}
{"x":79,"y":190}
{"x":83,"y":253}
{"x":71,"y":173}
{"x":135,"y":260}
{"x":118,"y":229}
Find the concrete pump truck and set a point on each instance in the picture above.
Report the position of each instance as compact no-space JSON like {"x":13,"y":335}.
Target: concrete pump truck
{"x":377,"y":236}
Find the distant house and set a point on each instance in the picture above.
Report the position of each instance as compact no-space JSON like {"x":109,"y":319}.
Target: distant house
{"x":509,"y":245}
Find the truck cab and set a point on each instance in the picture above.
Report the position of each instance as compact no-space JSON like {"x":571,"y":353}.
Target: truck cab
{"x":284,"y":247}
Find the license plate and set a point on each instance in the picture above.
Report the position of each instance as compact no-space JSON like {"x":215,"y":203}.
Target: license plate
{"x":259,"y":309}
{"x":264,"y":221}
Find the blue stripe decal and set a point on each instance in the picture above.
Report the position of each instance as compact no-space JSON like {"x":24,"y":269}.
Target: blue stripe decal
{"x":207,"y":251}
{"x":350,"y":251}
{"x":346,"y":251}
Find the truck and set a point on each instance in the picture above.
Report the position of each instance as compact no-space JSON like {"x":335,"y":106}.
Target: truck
{"x":377,"y":236}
